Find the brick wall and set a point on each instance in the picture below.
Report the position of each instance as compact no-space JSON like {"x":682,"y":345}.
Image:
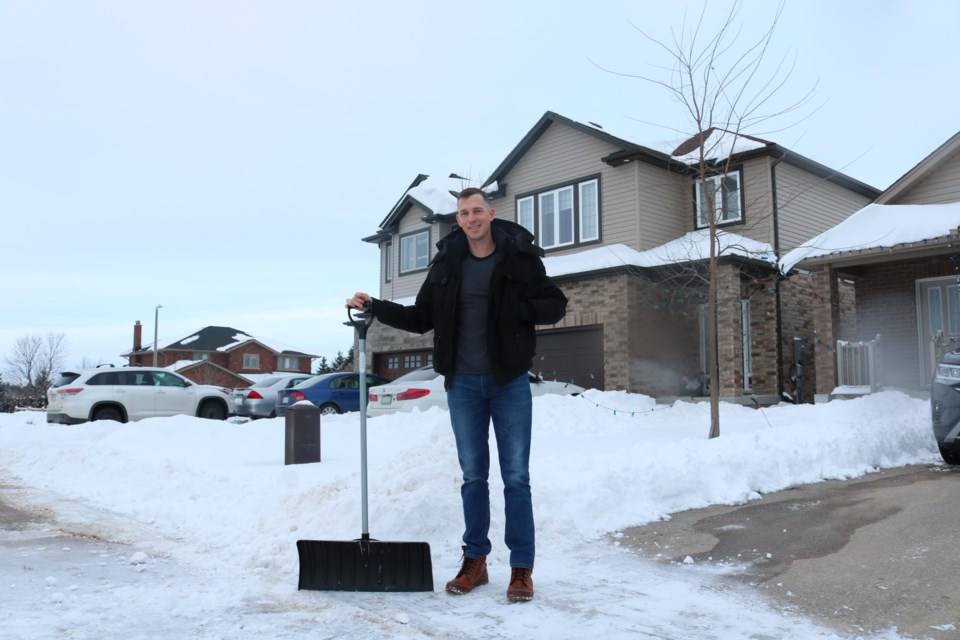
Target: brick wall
{"x":798,"y":304}
{"x":206,"y":374}
{"x":234,"y":359}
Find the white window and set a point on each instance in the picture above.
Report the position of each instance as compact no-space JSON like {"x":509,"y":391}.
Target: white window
{"x":251,"y":361}
{"x":563,"y":216}
{"x":288,"y":362}
{"x":556,"y":218}
{"x":388,"y":262}
{"x":415,"y":251}
{"x":525,"y":214}
{"x":589,"y":212}
{"x":723,"y":193}
{"x":936,"y":310}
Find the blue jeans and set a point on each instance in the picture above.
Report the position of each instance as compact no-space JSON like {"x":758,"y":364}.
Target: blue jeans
{"x":473,"y":400}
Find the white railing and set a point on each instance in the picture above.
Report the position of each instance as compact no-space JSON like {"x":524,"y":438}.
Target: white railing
{"x":858,"y":364}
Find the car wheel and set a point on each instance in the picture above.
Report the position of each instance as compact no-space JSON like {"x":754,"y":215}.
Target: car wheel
{"x":212,"y":411}
{"x":108,"y":413}
{"x":950,"y":455}
{"x":329,"y":410}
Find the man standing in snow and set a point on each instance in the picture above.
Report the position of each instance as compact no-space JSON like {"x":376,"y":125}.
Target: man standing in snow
{"x":485,"y":293}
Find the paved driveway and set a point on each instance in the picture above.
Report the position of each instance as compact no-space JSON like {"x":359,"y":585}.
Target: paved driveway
{"x":861,"y":556}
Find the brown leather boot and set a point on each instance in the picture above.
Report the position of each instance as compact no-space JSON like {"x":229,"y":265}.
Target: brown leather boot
{"x":521,"y":585}
{"x":473,"y":573}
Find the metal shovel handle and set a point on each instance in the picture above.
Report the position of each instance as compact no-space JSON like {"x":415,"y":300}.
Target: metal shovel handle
{"x":361,"y":321}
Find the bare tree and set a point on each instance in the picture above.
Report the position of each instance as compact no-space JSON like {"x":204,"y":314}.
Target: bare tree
{"x":725,"y":92}
{"x":34,"y":358}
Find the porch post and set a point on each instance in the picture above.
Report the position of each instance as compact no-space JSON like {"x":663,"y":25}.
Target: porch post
{"x":826,"y":322}
{"x":729,"y":331}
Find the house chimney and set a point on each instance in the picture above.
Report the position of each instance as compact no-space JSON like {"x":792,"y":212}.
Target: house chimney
{"x":137,"y":335}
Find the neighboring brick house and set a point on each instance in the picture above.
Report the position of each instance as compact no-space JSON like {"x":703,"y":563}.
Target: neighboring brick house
{"x":901,"y":254}
{"x":219,"y":355}
{"x":615,"y":218}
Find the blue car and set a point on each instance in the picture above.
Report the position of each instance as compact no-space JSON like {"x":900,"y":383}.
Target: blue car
{"x":332,"y":392}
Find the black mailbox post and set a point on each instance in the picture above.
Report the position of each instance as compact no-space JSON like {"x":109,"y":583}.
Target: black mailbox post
{"x":302,"y":434}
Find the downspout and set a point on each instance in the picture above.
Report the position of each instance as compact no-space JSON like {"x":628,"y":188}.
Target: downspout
{"x":776,"y":251}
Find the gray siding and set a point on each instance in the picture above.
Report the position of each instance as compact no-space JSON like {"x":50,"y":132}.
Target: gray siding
{"x":404,"y":286}
{"x":941,"y":186}
{"x":563,"y":154}
{"x":808,"y":205}
{"x":757,"y":207}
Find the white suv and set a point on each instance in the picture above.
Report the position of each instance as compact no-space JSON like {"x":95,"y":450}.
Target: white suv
{"x":127,"y":394}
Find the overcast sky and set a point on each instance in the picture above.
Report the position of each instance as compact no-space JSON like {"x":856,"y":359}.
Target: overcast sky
{"x":224,"y":158}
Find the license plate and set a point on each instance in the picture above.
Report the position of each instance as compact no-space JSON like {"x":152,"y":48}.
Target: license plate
{"x":386,"y":399}
{"x":285,"y":401}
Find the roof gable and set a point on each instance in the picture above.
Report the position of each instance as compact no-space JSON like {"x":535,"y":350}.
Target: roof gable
{"x":921,"y":170}
{"x":625,"y":146}
{"x":681,"y":157}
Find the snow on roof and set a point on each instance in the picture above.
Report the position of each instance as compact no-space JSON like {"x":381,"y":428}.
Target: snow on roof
{"x":718,"y":143}
{"x":436,"y":193}
{"x":181,"y":364}
{"x":693,"y":246}
{"x":192,"y":338}
{"x":879,"y":226}
{"x":240,"y":338}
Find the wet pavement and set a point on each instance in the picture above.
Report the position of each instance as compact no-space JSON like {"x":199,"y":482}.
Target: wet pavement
{"x":863,"y":555}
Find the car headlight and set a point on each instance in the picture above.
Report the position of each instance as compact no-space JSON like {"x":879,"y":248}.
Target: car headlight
{"x":948,"y":373}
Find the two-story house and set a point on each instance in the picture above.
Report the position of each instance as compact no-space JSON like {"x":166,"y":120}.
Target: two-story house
{"x":625,"y":236}
{"x":223,"y":356}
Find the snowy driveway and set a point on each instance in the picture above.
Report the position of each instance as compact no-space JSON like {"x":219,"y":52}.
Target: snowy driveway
{"x":861,"y":555}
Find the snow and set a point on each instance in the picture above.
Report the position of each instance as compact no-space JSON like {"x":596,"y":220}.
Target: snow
{"x":692,"y":246}
{"x":880,"y":226}
{"x":208,"y":516}
{"x":435,"y":193}
{"x":718,"y":145}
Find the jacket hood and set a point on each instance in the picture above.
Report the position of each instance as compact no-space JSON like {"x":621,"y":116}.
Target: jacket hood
{"x":507,"y":234}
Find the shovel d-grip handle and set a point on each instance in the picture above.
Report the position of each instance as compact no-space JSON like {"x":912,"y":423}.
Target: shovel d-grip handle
{"x":361,"y":320}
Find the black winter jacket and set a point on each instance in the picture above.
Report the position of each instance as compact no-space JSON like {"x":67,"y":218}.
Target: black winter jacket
{"x":521,"y":297}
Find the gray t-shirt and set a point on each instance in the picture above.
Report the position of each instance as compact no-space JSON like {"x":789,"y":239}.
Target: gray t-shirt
{"x":472,"y":304}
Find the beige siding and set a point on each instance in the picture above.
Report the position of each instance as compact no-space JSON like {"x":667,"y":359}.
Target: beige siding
{"x":808,"y":205}
{"x":405,"y":286}
{"x":757,"y":211}
{"x":940,"y":187}
{"x":563,"y":154}
{"x":757,"y":220}
{"x":665,"y":205}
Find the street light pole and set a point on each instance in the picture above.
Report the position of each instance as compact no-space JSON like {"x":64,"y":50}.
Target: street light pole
{"x":156,"y":319}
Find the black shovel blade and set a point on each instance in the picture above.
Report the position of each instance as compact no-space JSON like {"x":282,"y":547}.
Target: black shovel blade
{"x":365,"y":565}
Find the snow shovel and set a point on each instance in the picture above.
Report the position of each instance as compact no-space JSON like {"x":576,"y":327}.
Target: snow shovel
{"x":364,"y":564}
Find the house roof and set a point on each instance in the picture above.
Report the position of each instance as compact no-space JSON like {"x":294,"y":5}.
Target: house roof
{"x":922,"y":169}
{"x":185,"y":365}
{"x":889,"y":231}
{"x":719,"y":144}
{"x":434,"y":194}
{"x":879,"y":229}
{"x":214,"y":338}
{"x":690,"y":247}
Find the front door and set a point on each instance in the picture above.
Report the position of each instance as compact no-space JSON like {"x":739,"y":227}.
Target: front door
{"x":938,"y":303}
